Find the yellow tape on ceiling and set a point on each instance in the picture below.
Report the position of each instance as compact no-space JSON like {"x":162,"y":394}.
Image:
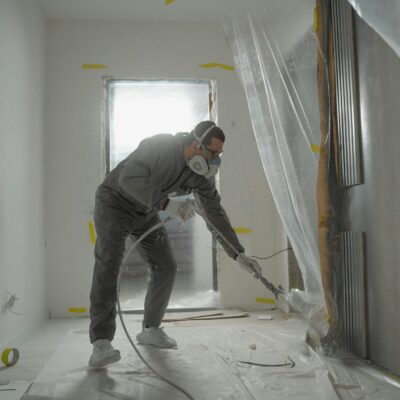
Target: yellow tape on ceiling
{"x":168,"y":2}
{"x":94,"y":66}
{"x":218,"y":65}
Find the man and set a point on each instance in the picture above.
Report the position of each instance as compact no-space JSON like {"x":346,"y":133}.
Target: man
{"x":127,"y":203}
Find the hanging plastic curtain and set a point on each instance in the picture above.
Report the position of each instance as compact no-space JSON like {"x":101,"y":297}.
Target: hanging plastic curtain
{"x":277,"y":63}
{"x":383,"y":16}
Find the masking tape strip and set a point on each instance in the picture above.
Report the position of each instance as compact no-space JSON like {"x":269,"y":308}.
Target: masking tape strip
{"x":6,"y":359}
{"x":239,"y":229}
{"x":168,"y":2}
{"x":265,"y":300}
{"x":92,"y":232}
{"x":315,"y":24}
{"x":315,"y":148}
{"x":94,"y":66}
{"x":77,"y":309}
{"x":218,"y":65}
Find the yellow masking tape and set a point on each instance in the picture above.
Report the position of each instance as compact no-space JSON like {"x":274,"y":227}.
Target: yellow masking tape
{"x":239,"y":229}
{"x":6,"y":359}
{"x":94,"y":66}
{"x":218,"y":65}
{"x":77,"y":309}
{"x":265,"y":300}
{"x":92,"y":232}
{"x":315,"y":25}
{"x":315,"y":148}
{"x":168,"y":2}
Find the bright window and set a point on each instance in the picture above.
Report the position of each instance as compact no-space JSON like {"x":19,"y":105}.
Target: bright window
{"x":142,"y":108}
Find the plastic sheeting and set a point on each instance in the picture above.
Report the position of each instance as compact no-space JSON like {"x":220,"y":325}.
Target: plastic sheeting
{"x":207,"y":365}
{"x":383,"y":16}
{"x":277,"y":64}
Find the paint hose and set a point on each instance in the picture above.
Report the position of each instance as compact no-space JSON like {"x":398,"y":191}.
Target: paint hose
{"x":152,"y":229}
{"x":277,"y":291}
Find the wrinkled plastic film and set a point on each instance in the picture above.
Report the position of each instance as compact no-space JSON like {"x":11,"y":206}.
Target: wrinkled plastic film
{"x":279,"y":78}
{"x":212,"y":352}
{"x":383,"y":16}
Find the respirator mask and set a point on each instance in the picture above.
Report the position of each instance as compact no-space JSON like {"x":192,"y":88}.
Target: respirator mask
{"x":201,"y":166}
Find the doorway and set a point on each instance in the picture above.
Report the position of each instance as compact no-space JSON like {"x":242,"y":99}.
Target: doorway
{"x":139,"y":108}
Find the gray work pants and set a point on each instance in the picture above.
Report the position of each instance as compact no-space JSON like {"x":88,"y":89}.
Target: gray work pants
{"x":114,"y":220}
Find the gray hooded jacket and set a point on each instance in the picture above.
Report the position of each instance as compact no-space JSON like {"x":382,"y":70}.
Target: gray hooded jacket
{"x":158,"y":168}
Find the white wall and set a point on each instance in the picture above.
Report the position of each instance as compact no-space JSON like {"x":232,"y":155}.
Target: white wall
{"x":22,"y":240}
{"x":75,"y":96}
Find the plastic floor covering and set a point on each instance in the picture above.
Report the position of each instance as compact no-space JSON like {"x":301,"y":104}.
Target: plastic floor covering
{"x":207,"y":365}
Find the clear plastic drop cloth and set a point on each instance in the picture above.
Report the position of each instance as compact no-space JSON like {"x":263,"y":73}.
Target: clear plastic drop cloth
{"x":277,"y":64}
{"x":383,"y":16}
{"x":212,"y":362}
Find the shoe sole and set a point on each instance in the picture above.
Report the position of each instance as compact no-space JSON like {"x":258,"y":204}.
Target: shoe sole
{"x":144,"y":343}
{"x":114,"y":357}
{"x":158,"y":346}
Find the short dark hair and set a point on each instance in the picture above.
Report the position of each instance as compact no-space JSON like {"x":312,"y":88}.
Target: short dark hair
{"x":188,"y":138}
{"x":201,"y":127}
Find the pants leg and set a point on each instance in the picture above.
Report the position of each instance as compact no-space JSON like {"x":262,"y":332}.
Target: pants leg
{"x":112,"y":228}
{"x":156,"y":250}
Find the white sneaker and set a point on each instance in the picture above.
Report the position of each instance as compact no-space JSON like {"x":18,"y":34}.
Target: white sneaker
{"x":156,"y":337}
{"x":103,"y":354}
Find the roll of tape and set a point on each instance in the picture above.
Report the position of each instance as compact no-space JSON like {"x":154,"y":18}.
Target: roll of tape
{"x":5,"y":357}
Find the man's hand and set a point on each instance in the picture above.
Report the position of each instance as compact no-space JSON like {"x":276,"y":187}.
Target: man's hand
{"x":182,"y":210}
{"x":249,"y":264}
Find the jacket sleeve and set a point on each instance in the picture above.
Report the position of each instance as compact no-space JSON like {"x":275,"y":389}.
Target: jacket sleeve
{"x":217,"y":221}
{"x":138,"y":178}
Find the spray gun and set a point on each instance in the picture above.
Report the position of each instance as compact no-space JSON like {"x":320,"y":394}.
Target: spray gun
{"x":182,"y":214}
{"x":256,"y":273}
{"x":275,"y":290}
{"x":184,"y":209}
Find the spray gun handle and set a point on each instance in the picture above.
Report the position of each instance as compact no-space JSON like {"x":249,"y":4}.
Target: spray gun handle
{"x":275,"y":290}
{"x":257,"y":271}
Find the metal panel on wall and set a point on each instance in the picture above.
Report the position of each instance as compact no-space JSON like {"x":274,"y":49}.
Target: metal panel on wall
{"x":353,"y":302}
{"x":374,"y":207}
{"x":346,"y":94}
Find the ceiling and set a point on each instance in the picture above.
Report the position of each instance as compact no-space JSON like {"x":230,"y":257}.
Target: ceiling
{"x":144,"y":10}
{"x":288,"y":17}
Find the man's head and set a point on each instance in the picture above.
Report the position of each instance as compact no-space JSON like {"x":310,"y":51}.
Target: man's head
{"x":206,"y":140}
{"x":203,"y":147}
